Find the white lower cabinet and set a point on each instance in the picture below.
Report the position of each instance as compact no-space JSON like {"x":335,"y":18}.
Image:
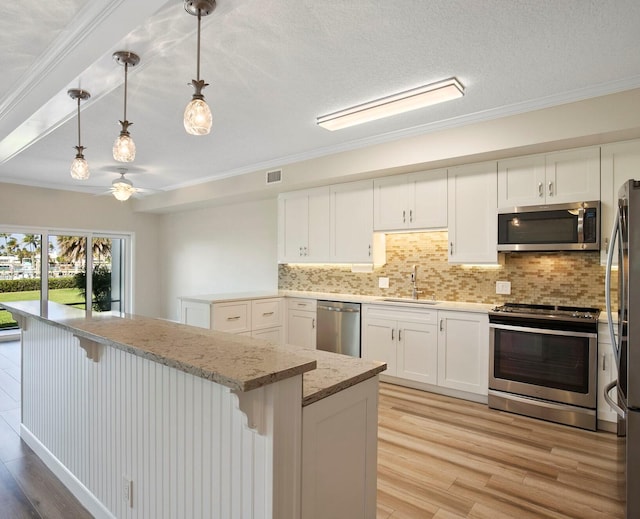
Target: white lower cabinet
{"x":406,"y":340}
{"x":606,"y":373}
{"x":445,"y":349}
{"x":301,"y":323}
{"x":260,"y":318}
{"x":463,"y":351}
{"x":339,"y":454}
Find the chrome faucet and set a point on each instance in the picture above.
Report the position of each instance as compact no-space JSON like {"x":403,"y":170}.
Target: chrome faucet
{"x":414,"y":286}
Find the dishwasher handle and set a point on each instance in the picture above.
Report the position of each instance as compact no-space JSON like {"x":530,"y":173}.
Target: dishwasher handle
{"x":337,"y":309}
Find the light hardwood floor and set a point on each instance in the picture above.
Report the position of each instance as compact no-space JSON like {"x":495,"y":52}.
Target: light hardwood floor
{"x":446,"y":458}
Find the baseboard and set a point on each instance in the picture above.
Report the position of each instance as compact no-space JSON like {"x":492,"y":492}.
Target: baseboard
{"x":73,"y":484}
{"x":455,"y":393}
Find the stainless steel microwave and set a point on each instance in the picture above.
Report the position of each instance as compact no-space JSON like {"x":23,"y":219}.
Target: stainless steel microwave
{"x":556,"y":227}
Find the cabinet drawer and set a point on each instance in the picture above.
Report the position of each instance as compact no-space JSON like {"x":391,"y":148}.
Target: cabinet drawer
{"x":232,"y":317}
{"x":266,"y":313}
{"x":273,"y":335}
{"x":398,"y":313}
{"x":302,"y":304}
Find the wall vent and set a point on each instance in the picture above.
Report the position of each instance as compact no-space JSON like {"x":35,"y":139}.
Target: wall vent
{"x":274,"y":176}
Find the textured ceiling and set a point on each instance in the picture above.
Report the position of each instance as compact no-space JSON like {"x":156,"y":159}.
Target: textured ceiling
{"x":274,"y":66}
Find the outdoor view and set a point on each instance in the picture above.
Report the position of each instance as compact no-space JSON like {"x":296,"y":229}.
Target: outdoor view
{"x":20,"y":271}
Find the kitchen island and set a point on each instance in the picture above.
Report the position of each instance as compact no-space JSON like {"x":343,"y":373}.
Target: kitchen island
{"x":142,"y":417}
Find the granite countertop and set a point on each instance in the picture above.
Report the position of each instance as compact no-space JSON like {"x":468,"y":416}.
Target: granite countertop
{"x":241,"y":363}
{"x":227,"y":359}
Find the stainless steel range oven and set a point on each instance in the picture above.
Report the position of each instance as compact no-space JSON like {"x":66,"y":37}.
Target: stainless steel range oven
{"x":543,"y":362}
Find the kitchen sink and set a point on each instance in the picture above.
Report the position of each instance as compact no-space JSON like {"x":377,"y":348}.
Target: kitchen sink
{"x":409,"y":300}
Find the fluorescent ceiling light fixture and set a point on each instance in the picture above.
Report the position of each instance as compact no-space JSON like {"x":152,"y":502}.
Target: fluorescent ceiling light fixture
{"x":420,"y":97}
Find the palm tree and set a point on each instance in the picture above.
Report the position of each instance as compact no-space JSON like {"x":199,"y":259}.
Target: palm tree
{"x":74,"y":248}
{"x":33,"y":241}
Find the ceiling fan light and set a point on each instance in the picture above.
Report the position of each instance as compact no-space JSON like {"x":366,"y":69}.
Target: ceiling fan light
{"x":79,"y":168}
{"x":197,"y":117}
{"x":124,"y":149}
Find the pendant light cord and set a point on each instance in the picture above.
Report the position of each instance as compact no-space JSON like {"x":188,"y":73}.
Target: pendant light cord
{"x":126,"y":67}
{"x":79,"y":143}
{"x":198,"y":53}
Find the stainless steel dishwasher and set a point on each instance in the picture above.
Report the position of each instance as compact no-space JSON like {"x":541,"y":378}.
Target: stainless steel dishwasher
{"x":338,"y":328}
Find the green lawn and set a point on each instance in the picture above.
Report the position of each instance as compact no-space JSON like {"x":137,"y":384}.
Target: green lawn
{"x":63,"y":296}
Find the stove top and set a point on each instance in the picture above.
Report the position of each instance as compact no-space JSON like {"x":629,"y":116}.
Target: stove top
{"x":547,"y":311}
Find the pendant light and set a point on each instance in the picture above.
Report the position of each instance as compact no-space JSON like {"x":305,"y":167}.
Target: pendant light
{"x":124,"y":149}
{"x":79,"y":166}
{"x":197,"y":115}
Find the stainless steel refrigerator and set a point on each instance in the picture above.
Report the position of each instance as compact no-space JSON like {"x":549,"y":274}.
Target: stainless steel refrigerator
{"x":625,"y":243}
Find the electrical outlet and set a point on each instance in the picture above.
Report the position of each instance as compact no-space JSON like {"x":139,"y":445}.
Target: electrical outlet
{"x":127,"y":491}
{"x":503,"y":287}
{"x":383,"y":282}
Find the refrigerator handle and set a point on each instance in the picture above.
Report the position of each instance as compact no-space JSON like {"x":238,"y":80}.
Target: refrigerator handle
{"x":619,"y":411}
{"x":607,"y":285}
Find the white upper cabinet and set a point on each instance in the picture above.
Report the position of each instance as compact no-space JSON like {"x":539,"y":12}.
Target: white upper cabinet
{"x":413,"y":201}
{"x":472,"y":213}
{"x":620,"y":162}
{"x":352,"y":222}
{"x":303,"y":226}
{"x":552,"y":178}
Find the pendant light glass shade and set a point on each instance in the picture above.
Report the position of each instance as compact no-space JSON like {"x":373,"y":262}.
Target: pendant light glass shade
{"x":79,"y":167}
{"x":124,"y":149}
{"x":197,"y":115}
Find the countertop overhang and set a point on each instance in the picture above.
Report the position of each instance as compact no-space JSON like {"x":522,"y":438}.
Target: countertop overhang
{"x":240,"y":363}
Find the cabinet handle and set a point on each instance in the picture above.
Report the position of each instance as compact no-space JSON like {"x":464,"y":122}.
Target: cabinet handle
{"x":313,"y":323}
{"x":451,"y":249}
{"x":234,"y":318}
{"x":264,"y":314}
{"x":301,"y":304}
{"x":399,"y":335}
{"x":404,"y":219}
{"x":410,"y":215}
{"x":300,"y":252}
{"x":606,"y":245}
{"x":604,"y":362}
{"x":441,"y":325}
{"x":550,"y":188}
{"x":540,"y":191}
{"x":392,"y":334}
{"x":369,"y":250}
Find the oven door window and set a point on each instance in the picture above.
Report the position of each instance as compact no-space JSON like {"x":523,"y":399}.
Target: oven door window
{"x":552,"y":361}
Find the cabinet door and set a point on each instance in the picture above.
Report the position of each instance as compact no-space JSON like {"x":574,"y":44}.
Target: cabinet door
{"x":379,"y":342}
{"x":195,"y":314}
{"x":620,"y":162}
{"x":428,"y":202}
{"x":463,"y":351}
{"x":472,"y":213}
{"x":417,"y":355}
{"x":391,"y":203}
{"x":352,"y":222}
{"x":301,"y":328}
{"x":521,"y":181}
{"x":318,"y":226}
{"x":293,"y":226}
{"x":573,"y":175}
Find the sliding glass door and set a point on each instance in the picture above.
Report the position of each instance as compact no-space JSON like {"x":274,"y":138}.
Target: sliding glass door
{"x":64,"y":262}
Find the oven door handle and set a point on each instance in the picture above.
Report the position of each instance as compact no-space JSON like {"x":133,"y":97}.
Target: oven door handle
{"x":607,"y":389}
{"x":544,"y":331}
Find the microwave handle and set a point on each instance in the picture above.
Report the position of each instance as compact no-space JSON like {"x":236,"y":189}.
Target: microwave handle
{"x":581,"y":225}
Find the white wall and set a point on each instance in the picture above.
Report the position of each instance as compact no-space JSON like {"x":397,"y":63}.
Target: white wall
{"x":230,"y":248}
{"x":49,"y":209}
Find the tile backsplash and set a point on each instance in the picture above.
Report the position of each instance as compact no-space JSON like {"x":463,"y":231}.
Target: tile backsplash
{"x":558,"y":278}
